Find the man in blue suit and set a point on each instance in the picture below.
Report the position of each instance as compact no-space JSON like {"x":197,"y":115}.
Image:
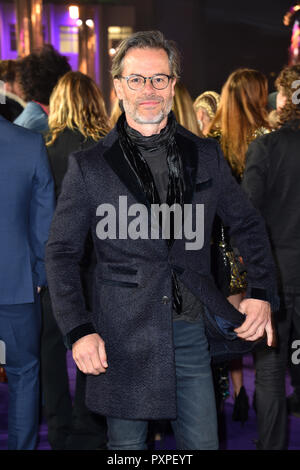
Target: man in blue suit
{"x":26,"y":210}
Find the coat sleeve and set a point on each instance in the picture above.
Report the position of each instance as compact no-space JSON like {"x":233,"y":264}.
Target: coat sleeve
{"x":65,"y":248}
{"x":247,"y":228}
{"x":255,"y":175}
{"x":42,"y":206}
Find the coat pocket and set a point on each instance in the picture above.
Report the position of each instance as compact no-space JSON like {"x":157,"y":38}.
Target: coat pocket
{"x":116,"y":274}
{"x":203,"y":185}
{"x":112,"y":282}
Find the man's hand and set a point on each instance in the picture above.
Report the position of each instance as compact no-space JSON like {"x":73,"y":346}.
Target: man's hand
{"x":38,"y":289}
{"x":90,"y":355}
{"x":258,"y":320}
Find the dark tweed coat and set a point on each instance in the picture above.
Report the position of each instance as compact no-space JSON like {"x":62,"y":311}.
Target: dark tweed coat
{"x":133,"y":310}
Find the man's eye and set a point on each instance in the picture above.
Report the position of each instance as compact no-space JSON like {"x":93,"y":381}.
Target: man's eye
{"x":135,"y":80}
{"x":159,"y":79}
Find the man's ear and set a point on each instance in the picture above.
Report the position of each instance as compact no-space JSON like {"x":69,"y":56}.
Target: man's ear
{"x":118,"y":88}
{"x":173,"y":86}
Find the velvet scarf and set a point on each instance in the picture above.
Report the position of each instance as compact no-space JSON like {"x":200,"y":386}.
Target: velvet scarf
{"x":164,"y":141}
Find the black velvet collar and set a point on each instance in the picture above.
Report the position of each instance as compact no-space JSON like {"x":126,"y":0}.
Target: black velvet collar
{"x":190,"y":161}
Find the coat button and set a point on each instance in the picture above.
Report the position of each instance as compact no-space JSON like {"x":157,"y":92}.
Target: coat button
{"x":165,"y":299}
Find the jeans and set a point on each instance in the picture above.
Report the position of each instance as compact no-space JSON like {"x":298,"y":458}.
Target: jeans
{"x":196,"y":424}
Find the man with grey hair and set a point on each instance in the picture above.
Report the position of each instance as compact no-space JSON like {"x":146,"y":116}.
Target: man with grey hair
{"x":144,"y":346}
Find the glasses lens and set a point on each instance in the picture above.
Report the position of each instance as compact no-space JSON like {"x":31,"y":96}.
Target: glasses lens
{"x":160,"y":81}
{"x":135,"y":82}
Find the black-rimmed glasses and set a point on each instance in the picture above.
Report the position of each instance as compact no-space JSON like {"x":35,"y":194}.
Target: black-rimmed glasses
{"x":159,"y":81}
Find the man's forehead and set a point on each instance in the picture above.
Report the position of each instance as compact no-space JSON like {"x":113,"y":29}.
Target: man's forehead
{"x":137,"y":60}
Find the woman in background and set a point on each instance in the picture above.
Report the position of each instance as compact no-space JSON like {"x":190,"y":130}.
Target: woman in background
{"x":241,"y":117}
{"x":77,"y":120}
{"x":205,"y":106}
{"x":184,"y":111}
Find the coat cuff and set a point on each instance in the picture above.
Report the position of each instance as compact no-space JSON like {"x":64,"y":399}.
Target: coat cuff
{"x":266,"y":295}
{"x":77,"y":333}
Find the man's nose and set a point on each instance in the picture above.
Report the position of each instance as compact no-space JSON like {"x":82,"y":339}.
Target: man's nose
{"x":148,"y":85}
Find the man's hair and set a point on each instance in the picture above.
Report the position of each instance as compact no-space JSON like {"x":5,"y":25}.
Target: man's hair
{"x":8,"y":69}
{"x":284,"y":81}
{"x":146,"y":40}
{"x":39,"y":72}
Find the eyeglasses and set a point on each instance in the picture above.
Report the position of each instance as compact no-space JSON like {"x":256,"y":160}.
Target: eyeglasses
{"x":160,"y":81}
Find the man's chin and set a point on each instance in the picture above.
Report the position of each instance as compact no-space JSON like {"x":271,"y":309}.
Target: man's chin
{"x":149,"y":119}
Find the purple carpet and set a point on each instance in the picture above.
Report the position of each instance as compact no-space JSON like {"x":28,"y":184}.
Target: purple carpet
{"x":233,"y":435}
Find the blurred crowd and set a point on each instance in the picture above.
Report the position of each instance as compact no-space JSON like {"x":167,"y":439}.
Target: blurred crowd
{"x":253,"y":125}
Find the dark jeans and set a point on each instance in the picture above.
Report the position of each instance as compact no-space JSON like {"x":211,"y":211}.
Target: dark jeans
{"x":271,"y":366}
{"x":196,"y":423}
{"x":69,"y":426}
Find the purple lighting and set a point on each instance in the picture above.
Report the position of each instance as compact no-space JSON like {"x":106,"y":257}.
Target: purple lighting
{"x":64,"y":33}
{"x":8,"y":28}
{"x":61,"y":26}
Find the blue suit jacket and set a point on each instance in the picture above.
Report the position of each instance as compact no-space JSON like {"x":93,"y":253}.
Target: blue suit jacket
{"x":26,"y":210}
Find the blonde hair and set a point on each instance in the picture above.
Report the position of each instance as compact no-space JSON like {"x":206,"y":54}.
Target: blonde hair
{"x":77,"y":103}
{"x":115,"y":112}
{"x":242,"y":111}
{"x":209,"y":101}
{"x":184,"y":111}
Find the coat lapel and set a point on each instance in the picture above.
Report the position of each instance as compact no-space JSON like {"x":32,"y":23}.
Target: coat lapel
{"x":115,"y":159}
{"x":194,"y":171}
{"x":189,"y":156}
{"x":190,"y":161}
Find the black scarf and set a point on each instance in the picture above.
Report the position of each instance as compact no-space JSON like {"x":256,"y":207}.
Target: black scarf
{"x":164,"y":141}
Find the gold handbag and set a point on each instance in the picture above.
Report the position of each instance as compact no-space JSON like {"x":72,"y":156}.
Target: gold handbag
{"x":238,"y":275}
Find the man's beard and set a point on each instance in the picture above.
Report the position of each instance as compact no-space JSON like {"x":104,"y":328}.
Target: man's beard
{"x":132,"y":111}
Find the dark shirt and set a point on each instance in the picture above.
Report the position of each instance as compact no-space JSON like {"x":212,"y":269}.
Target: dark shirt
{"x":157,"y":162}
